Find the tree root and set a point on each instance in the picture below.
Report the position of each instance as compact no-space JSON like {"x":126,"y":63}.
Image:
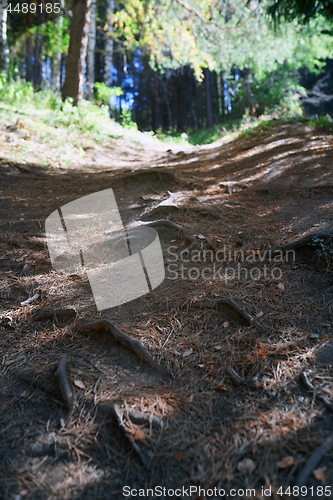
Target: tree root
{"x":131,"y":344}
{"x":238,"y":380}
{"x":304,"y":242}
{"x":230,"y":302}
{"x":117,"y":412}
{"x":136,"y":417}
{"x":50,"y":313}
{"x":39,"y":383}
{"x":167,"y":223}
{"x":64,"y":384}
{"x":172,"y":225}
{"x":313,"y":461}
{"x":320,"y":397}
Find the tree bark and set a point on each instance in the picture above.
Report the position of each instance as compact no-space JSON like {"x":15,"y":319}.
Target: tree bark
{"x":108,"y":54}
{"x":73,"y":85}
{"x":209,"y":102}
{"x":56,"y":64}
{"x":4,"y":51}
{"x":91,"y":51}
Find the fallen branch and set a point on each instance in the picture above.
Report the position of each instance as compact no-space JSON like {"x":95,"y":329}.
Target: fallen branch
{"x":305,"y":241}
{"x":313,"y":461}
{"x":230,"y":302}
{"x":64,"y":384}
{"x":133,"y":345}
{"x":320,"y":397}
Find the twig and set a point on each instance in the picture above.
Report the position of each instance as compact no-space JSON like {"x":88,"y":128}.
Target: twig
{"x":133,"y":345}
{"x":230,"y":302}
{"x":320,"y":397}
{"x":313,"y":461}
{"x":64,"y":385}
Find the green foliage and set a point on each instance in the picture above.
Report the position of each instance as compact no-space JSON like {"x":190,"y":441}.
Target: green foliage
{"x":126,"y":119}
{"x":322,"y":122}
{"x":270,"y":93}
{"x":103,"y":93}
{"x":303,"y":10}
{"x":218,"y":35}
{"x":206,"y":136}
{"x":55,"y":36}
{"x":15,"y":91}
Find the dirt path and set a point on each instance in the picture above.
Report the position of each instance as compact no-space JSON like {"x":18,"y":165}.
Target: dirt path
{"x":228,"y":408}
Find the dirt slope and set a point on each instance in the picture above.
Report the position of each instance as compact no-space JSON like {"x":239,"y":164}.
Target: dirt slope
{"x":227,"y":407}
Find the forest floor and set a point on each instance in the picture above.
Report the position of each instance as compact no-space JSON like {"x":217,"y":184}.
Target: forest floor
{"x":241,"y":395}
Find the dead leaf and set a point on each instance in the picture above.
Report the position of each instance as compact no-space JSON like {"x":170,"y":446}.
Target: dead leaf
{"x":188,"y":352}
{"x":178,"y":456}
{"x":139,"y":435}
{"x":286,"y":462}
{"x":220,"y":387}
{"x":320,"y":474}
{"x":226,"y":324}
{"x":78,"y":383}
{"x":259,"y":314}
{"x":246,"y":466}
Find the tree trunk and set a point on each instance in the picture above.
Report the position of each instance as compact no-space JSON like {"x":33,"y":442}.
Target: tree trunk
{"x":56,"y":64}
{"x":108,"y":48}
{"x":37,"y":67}
{"x":91,"y":51}
{"x":209,"y":102}
{"x":55,"y":78}
{"x":73,"y":85}
{"x":4,"y":51}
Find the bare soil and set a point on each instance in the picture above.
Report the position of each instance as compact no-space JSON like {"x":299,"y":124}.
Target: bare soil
{"x":229,"y":410}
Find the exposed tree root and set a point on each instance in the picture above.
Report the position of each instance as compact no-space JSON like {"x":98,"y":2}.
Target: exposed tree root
{"x":136,"y":417}
{"x":313,"y":461}
{"x":172,"y":225}
{"x":160,"y":211}
{"x":230,"y":302}
{"x":170,"y":210}
{"x":155,"y":174}
{"x":51,"y":313}
{"x":131,"y":344}
{"x":39,"y":383}
{"x":305,"y":241}
{"x":64,"y":384}
{"x":236,"y":379}
{"x":117,"y":412}
{"x":320,"y":397}
{"x":167,"y":223}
